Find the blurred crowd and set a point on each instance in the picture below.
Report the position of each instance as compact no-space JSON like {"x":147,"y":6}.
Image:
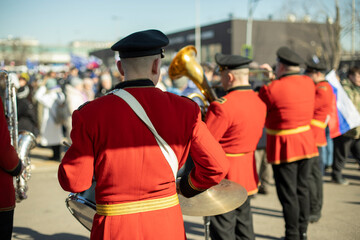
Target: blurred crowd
{"x":46,"y":100}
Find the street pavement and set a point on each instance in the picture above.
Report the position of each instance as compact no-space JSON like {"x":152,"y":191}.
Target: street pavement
{"x":44,"y":216}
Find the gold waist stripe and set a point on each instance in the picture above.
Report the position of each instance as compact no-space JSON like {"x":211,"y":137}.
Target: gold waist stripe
{"x":235,"y":154}
{"x":137,"y":207}
{"x":318,"y":123}
{"x":288,"y":131}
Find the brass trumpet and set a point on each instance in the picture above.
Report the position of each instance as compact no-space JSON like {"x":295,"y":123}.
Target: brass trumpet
{"x":261,"y":75}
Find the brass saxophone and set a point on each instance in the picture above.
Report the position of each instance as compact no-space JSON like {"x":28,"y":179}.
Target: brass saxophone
{"x":22,"y":141}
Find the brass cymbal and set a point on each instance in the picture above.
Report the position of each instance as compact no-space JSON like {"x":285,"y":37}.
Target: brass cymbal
{"x":221,"y":198}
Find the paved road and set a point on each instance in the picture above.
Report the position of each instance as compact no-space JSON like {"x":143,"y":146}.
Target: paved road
{"x":43,"y":216}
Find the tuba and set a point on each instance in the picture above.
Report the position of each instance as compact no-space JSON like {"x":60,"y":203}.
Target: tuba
{"x":185,"y":64}
{"x":22,"y":141}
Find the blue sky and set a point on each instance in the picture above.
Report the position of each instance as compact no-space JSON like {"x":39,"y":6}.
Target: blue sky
{"x":60,"y":22}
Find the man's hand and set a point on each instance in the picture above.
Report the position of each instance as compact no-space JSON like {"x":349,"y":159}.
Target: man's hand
{"x":22,"y":169}
{"x":267,"y":67}
{"x":178,"y":191}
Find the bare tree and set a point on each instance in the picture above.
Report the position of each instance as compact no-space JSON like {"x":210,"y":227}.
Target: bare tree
{"x":330,"y":47}
{"x":335,"y":31}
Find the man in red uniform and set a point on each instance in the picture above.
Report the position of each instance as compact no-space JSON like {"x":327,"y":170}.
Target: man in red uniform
{"x":290,"y":102}
{"x":135,"y":186}
{"x":324,"y":98}
{"x":10,"y":166}
{"x":236,"y":121}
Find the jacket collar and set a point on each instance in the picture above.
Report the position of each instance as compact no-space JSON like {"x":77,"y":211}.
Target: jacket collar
{"x":135,"y":83}
{"x":246,"y":87}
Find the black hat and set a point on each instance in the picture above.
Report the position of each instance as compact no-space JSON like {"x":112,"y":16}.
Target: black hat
{"x":287,"y":56}
{"x":314,"y":64}
{"x":231,"y":61}
{"x":140,"y":44}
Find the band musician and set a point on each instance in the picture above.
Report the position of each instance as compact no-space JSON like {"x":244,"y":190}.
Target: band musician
{"x":10,"y":166}
{"x":236,"y":120}
{"x":324,"y":100}
{"x":136,"y":195}
{"x":290,"y":101}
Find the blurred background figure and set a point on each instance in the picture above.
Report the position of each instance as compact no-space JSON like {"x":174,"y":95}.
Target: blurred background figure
{"x":105,"y":84}
{"x":49,"y":95}
{"x":161,"y":84}
{"x":73,"y":72}
{"x":262,"y":166}
{"x":88,"y":89}
{"x":26,"y":111}
{"x":75,"y":97}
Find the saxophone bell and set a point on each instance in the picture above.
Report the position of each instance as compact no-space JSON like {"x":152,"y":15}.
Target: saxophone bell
{"x":22,"y":142}
{"x":26,"y":142}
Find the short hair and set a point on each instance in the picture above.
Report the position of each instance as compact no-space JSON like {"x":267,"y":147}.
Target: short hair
{"x":241,"y":72}
{"x":130,"y":63}
{"x":353,"y":70}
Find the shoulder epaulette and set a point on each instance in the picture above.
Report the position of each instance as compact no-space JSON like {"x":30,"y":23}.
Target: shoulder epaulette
{"x":82,"y":105}
{"x":221,"y":100}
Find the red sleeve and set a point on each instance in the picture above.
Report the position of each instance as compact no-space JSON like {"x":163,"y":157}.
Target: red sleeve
{"x":77,"y":167}
{"x":211,"y":164}
{"x":9,"y":160}
{"x":264,"y":95}
{"x":324,"y":99}
{"x":216,"y":121}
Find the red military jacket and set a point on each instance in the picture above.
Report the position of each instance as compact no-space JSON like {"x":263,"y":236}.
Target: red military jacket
{"x":10,"y":166}
{"x":324,"y":100}
{"x":290,"y":103}
{"x":237,"y":121}
{"x":112,"y":144}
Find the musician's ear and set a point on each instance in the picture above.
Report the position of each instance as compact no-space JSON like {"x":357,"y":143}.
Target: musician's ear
{"x":231,"y":77}
{"x":156,"y":66}
{"x":120,"y":68}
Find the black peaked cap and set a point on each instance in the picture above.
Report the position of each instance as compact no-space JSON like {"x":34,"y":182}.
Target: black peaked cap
{"x":232,"y":61}
{"x":315,"y":65}
{"x":287,"y":56}
{"x":140,"y":44}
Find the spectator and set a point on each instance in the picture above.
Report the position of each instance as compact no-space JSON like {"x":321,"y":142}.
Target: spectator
{"x":26,"y":112}
{"x":105,"y":85}
{"x":88,"y":89}
{"x":349,"y":141}
{"x":51,"y":134}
